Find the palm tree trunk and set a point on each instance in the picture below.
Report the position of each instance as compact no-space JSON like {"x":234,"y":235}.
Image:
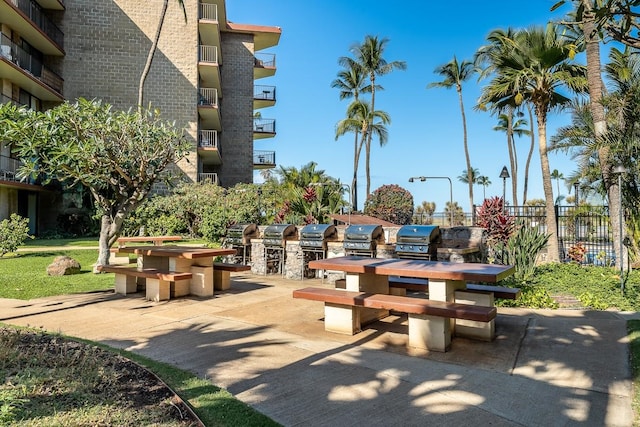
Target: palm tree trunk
{"x":367,"y":147}
{"x":466,"y":149}
{"x":529,"y":156}
{"x":354,"y":181}
{"x":594,"y":80}
{"x":152,"y":51}
{"x":512,"y":155}
{"x":553,"y":253}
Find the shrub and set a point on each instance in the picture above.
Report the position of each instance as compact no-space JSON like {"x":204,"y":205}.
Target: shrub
{"x":522,"y":250}
{"x":390,"y":203}
{"x":532,"y":297}
{"x":13,"y":232}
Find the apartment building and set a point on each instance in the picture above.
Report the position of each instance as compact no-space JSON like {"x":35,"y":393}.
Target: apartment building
{"x":209,"y":75}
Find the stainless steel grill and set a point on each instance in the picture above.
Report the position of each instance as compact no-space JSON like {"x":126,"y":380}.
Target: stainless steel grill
{"x":275,"y":239}
{"x":313,"y":242}
{"x":239,"y":238}
{"x":418,"y":241}
{"x":362,"y":240}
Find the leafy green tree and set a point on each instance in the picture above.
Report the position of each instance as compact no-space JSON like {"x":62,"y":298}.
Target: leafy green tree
{"x":117,"y":155}
{"x":370,"y":56}
{"x":154,"y":47}
{"x":391,"y":203}
{"x":535,"y":71}
{"x":455,"y":73}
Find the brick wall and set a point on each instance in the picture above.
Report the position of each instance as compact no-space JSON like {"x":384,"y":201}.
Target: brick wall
{"x":107,"y":43}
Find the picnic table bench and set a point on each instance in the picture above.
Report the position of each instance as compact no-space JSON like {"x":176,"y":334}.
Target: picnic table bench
{"x":158,"y":282}
{"x":429,"y":320}
{"x":222,"y":274}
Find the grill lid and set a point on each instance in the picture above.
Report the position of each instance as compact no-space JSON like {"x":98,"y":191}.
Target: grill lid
{"x":318,"y":232}
{"x":425,"y":234}
{"x":366,"y":233}
{"x":281,"y":231}
{"x":243,"y":230}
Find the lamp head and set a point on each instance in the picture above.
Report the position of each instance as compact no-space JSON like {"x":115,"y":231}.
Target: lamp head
{"x":504,"y":174}
{"x":619,"y":169}
{"x":411,"y":179}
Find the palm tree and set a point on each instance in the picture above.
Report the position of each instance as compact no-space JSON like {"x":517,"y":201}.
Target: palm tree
{"x":534,"y":71}
{"x":455,"y":74}
{"x":351,"y":81}
{"x":368,"y":123}
{"x":485,"y":182}
{"x":557,"y":175}
{"x":154,"y":47}
{"x":369,"y":55}
{"x":458,"y":213}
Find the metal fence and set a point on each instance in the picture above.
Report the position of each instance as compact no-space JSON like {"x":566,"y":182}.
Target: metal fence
{"x":585,"y":226}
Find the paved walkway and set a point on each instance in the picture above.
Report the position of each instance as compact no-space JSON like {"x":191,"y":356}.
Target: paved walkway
{"x":545,"y":368}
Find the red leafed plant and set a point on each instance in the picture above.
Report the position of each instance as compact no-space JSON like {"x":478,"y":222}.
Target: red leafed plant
{"x":499,"y":224}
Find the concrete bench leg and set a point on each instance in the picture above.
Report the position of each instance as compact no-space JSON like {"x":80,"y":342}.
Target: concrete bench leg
{"x":116,"y":258}
{"x":158,"y":290}
{"x":125,"y":284}
{"x":180,"y":288}
{"x":201,"y":281}
{"x":485,"y":331}
{"x":221,"y":280}
{"x":341,"y":319}
{"x":429,"y":332}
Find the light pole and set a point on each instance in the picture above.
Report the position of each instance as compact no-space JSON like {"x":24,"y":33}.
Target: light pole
{"x":619,"y":170}
{"x":504,"y":174}
{"x":319,"y":184}
{"x":424,"y":178}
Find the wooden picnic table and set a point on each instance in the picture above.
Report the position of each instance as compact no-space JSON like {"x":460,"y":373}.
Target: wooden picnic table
{"x":156,"y":240}
{"x":189,"y":259}
{"x":445,"y":281}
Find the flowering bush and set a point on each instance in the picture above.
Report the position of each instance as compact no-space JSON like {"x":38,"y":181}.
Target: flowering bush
{"x":391,"y":203}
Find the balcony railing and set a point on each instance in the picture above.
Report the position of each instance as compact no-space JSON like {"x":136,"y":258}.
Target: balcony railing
{"x":264,"y":157}
{"x":208,"y":139}
{"x":29,"y":63}
{"x":267,"y":93}
{"x":264,"y":125}
{"x":208,"y":54}
{"x":9,"y":168}
{"x":265,"y":60}
{"x":208,"y":96}
{"x":35,"y":13}
{"x":208,"y":11}
{"x":208,"y":178}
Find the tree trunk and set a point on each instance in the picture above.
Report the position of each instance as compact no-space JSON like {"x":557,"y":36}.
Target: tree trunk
{"x":529,"y":156}
{"x":354,"y":181}
{"x":553,"y":253}
{"x":107,"y":237}
{"x":512,"y":157}
{"x":594,"y":79}
{"x":466,"y":149}
{"x":152,"y":51}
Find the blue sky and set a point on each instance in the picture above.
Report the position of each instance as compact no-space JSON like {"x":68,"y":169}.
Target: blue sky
{"x":425,"y":135}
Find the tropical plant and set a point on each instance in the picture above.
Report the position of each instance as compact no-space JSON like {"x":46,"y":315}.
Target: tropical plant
{"x":13,"y":232}
{"x":535,"y":71}
{"x":351,"y":81}
{"x":425,"y":212}
{"x":154,"y":47}
{"x":522,"y":249}
{"x":370,"y":57}
{"x":454,"y":74}
{"x":557,"y":175}
{"x":454,"y":214}
{"x":499,"y":225}
{"x":391,"y":203}
{"x":485,"y":182}
{"x":117,"y":155}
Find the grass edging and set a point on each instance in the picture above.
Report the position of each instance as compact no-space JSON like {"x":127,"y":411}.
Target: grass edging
{"x":633,"y":329}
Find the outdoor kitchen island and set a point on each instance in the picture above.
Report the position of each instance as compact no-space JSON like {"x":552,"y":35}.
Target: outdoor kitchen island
{"x":447,"y":284}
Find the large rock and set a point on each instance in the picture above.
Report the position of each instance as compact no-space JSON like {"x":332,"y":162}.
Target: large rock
{"x":62,"y":266}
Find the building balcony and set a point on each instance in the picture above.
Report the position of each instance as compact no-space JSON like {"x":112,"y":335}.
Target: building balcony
{"x":9,"y":176}
{"x":264,"y":128}
{"x":264,"y":65}
{"x":208,"y":178}
{"x":28,"y":18}
{"x":208,"y":148}
{"x":264,"y":159}
{"x":208,"y":24}
{"x":264,"y":96}
{"x":28,"y":72}
{"x":208,"y":66}
{"x":208,"y":108}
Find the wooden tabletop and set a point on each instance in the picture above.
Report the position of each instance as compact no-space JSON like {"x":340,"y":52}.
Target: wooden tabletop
{"x":188,"y":252}
{"x":441,"y":270}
